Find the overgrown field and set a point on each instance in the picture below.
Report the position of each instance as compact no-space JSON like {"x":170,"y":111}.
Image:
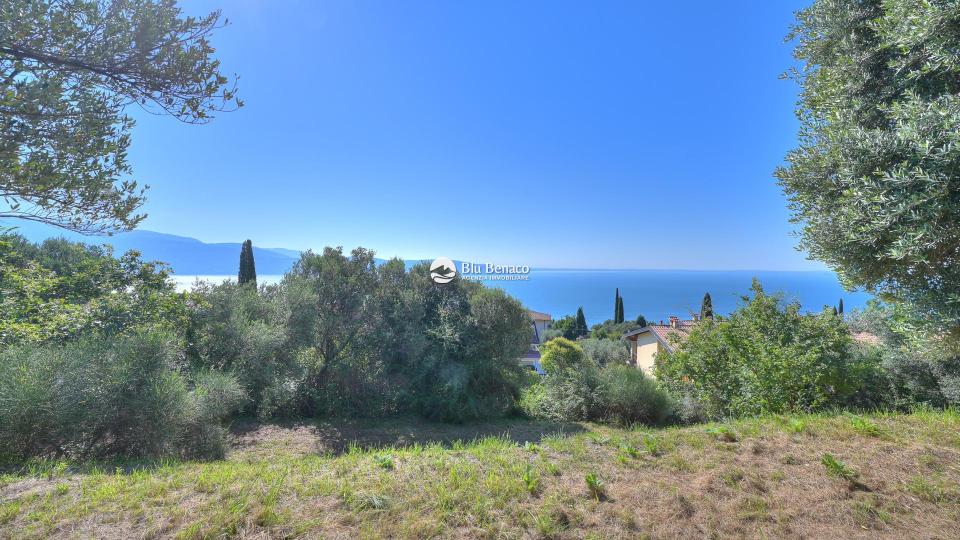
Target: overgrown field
{"x":831,"y":476}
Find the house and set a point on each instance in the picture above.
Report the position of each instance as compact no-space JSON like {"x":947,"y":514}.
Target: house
{"x":540,"y":322}
{"x":646,"y":342}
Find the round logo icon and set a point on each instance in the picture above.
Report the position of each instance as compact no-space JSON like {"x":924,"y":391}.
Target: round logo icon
{"x":442,"y":270}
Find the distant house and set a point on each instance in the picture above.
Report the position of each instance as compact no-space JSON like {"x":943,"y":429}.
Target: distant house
{"x":540,"y":322}
{"x":646,"y":342}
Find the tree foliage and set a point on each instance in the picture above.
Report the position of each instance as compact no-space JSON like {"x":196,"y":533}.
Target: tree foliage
{"x":766,"y":357}
{"x":68,"y":70}
{"x":248,"y":267}
{"x":876,"y":176}
{"x":706,"y":307}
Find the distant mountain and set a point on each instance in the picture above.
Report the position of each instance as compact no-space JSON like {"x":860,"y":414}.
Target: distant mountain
{"x":187,"y":256}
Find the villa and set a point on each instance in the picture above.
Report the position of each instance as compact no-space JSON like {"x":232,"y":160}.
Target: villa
{"x":541,"y":322}
{"x":646,"y":342}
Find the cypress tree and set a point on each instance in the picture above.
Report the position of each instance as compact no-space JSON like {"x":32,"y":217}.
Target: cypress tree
{"x":641,"y":321}
{"x":616,"y":307}
{"x":620,"y":310}
{"x":706,"y":308}
{"x":840,"y":307}
{"x":581,"y":323}
{"x":248,"y":269}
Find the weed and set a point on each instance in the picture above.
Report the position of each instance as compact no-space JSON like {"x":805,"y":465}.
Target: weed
{"x":753,"y":508}
{"x":723,"y":433}
{"x":652,"y":445}
{"x":866,"y":427}
{"x":385,"y":461}
{"x":869,"y":512}
{"x":629,"y":450}
{"x":732,"y":477}
{"x":838,"y":468}
{"x":531,"y":480}
{"x":552,"y":468}
{"x":595,"y":485}
{"x":933,"y":489}
{"x":531,"y":447}
{"x":369,"y":501}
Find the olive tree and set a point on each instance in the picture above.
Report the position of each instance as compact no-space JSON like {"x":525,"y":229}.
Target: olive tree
{"x":875,"y":179}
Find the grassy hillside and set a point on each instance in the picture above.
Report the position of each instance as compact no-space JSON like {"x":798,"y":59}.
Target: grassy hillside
{"x":825,"y":476}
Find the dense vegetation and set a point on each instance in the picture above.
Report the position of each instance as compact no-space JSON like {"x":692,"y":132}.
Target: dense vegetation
{"x":93,"y":347}
{"x":875,"y":176}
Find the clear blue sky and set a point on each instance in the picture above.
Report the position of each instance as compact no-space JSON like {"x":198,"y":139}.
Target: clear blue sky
{"x":564,"y":134}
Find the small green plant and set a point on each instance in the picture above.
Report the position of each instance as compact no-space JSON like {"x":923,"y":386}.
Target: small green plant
{"x":598,"y":439}
{"x":838,"y":468}
{"x":531,"y":480}
{"x":866,"y":427}
{"x":652,"y":445}
{"x":531,"y":447}
{"x":552,"y":468}
{"x":385,"y":461}
{"x":723,"y":433}
{"x":369,"y":501}
{"x":932,"y":489}
{"x":795,"y":425}
{"x":732,"y":477}
{"x":595,"y":485}
{"x":628,"y":450}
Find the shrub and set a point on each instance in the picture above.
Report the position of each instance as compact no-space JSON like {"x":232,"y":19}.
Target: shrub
{"x":627,"y":396}
{"x":99,"y":397}
{"x":562,"y":398}
{"x":241,"y":330}
{"x":561,"y":356}
{"x":915,"y":366}
{"x":214,"y":398}
{"x":767,"y":357}
{"x":603,"y":352}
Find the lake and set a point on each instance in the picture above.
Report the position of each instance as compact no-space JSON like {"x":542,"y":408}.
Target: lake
{"x":656,"y":294}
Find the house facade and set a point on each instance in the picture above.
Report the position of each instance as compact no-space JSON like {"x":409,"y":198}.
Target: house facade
{"x":540,"y":322}
{"x":646,"y":342}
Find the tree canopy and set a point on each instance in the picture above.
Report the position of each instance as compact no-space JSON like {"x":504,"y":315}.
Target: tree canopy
{"x":68,"y":71}
{"x":875,"y":180}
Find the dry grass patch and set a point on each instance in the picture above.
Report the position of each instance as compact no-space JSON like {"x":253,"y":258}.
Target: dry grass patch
{"x":763,"y":477}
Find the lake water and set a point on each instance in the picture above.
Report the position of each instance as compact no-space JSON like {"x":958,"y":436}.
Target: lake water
{"x":656,"y":294}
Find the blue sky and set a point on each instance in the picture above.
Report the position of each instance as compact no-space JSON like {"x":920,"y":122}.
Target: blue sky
{"x":562,"y":134}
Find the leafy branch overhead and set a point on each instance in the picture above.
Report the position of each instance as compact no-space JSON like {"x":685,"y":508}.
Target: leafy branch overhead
{"x":68,"y":72}
{"x":875,"y":180}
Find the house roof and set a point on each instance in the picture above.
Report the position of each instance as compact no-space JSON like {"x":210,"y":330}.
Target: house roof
{"x":537,"y":316}
{"x":664,"y":333}
{"x":865,"y":337}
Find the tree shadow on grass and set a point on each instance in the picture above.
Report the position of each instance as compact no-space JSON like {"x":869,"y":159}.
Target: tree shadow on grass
{"x":336,"y":436}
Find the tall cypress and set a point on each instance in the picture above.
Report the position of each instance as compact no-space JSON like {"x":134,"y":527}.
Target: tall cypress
{"x":619,"y":310}
{"x":248,"y":269}
{"x":581,"y":323}
{"x":840,"y":307}
{"x":706,"y":308}
{"x":616,"y":307}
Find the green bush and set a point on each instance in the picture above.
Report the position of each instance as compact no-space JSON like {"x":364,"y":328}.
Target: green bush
{"x":100,"y":397}
{"x":560,"y":398}
{"x":560,"y":356}
{"x":241,"y":330}
{"x":214,"y":398}
{"x":603,"y":352}
{"x":766,"y":357}
{"x":627,"y":396}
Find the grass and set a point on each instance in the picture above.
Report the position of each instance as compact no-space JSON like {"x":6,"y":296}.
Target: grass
{"x":760,"y":477}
